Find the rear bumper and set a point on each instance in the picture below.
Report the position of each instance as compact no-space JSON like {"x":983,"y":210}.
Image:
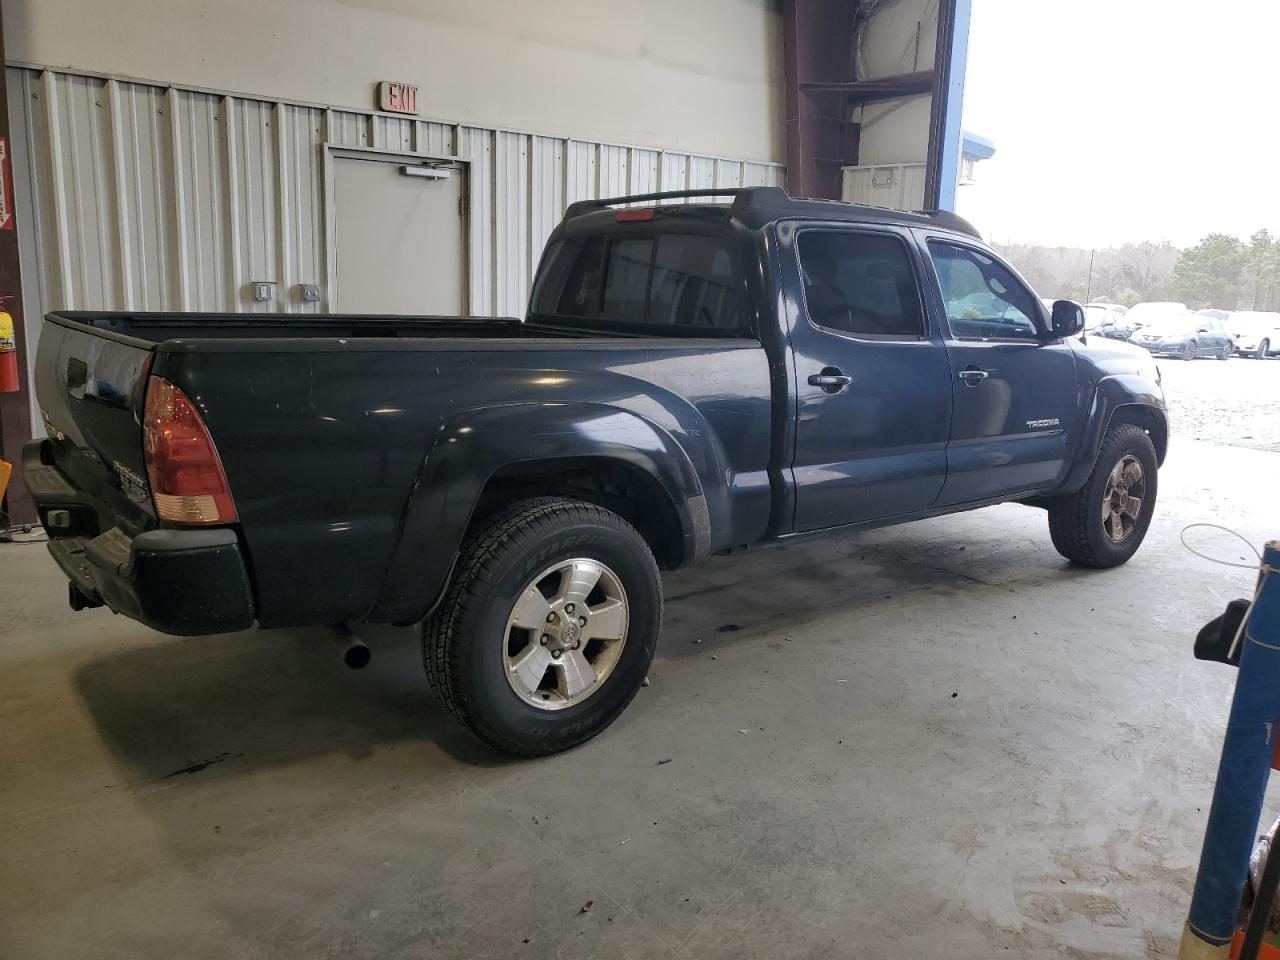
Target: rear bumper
{"x":185,"y":582}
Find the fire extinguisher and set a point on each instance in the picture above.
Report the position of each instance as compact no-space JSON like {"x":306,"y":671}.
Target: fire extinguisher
{"x":8,"y":351}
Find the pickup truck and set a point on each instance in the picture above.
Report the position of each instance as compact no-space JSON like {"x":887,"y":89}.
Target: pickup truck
{"x":690,"y":377}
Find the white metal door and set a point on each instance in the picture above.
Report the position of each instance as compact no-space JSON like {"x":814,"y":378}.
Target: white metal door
{"x":400,"y":237}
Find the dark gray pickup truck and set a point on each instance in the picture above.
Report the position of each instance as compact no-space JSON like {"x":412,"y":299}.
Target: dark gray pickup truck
{"x":690,"y":377}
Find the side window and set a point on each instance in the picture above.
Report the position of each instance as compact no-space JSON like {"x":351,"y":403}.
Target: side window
{"x":860,"y":284}
{"x":984,"y":300}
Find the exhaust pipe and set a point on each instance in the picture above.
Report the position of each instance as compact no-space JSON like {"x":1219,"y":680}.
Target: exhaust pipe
{"x":79,"y":600}
{"x":354,"y":652}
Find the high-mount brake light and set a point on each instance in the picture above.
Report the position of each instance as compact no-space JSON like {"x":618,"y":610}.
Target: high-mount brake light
{"x":188,"y":484}
{"x":641,"y":213}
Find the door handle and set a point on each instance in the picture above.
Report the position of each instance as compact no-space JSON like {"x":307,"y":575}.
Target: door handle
{"x":972,"y":376}
{"x":831,"y":379}
{"x":77,"y":373}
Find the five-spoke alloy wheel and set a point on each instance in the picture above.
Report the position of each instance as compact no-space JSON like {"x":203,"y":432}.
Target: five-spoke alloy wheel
{"x":1122,"y":498}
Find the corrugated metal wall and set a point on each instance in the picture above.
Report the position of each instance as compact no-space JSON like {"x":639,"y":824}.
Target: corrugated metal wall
{"x":132,"y":196}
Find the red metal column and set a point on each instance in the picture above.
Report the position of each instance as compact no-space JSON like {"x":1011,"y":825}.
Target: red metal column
{"x":817,"y":37}
{"x":15,"y":407}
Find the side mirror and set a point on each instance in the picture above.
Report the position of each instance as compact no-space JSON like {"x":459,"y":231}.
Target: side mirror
{"x":1067,"y":318}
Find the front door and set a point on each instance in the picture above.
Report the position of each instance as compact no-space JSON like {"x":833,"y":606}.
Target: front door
{"x":872,"y":382}
{"x":400,"y":244}
{"x":1013,"y":385}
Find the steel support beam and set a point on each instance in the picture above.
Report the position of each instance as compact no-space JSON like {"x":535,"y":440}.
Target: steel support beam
{"x":817,"y":38}
{"x":15,"y":408}
{"x":943,"y":166}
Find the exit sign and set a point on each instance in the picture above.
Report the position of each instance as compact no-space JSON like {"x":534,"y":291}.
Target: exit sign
{"x":398,"y":97}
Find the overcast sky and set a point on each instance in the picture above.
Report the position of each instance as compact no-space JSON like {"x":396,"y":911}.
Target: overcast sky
{"x":1118,"y":120}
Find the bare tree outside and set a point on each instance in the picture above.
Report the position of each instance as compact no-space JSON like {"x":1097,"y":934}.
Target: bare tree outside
{"x":1220,"y":271}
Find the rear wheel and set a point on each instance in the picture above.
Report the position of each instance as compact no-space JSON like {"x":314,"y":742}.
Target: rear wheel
{"x":549,"y":627}
{"x":1263,"y":349}
{"x":1104,"y":523}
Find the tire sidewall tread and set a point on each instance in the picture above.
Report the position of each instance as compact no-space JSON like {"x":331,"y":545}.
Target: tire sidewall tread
{"x":462,"y":652}
{"x":1075,"y":522}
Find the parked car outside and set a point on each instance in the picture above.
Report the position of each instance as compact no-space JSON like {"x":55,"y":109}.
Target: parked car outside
{"x":1142,"y":314}
{"x":1175,"y":331}
{"x":1107,"y":320}
{"x":1215,"y":314}
{"x":1256,"y":334}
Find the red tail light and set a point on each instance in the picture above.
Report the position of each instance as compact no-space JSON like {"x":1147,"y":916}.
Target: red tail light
{"x":187,"y":482}
{"x":635,"y":214}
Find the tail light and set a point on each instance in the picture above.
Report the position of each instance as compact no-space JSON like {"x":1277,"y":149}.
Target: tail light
{"x":187,"y":481}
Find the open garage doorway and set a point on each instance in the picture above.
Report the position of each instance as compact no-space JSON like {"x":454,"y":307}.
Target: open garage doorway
{"x":398,"y":234}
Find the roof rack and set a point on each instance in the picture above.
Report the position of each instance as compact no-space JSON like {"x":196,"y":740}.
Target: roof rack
{"x":761,"y":198}
{"x":951,"y":221}
{"x":744,"y":198}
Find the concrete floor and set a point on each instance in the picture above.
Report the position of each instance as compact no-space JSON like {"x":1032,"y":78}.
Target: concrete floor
{"x":934,"y":740}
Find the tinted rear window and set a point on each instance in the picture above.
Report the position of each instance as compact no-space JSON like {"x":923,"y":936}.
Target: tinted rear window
{"x":659,"y":280}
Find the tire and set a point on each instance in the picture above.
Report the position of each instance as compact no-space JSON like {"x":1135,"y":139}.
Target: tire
{"x":1190,"y":352}
{"x":471,"y":648}
{"x":1227,"y":351}
{"x":1263,"y":349}
{"x":1076,"y":521}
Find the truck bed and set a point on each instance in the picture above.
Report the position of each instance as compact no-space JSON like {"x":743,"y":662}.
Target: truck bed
{"x":159,"y":327}
{"x":357,"y":446}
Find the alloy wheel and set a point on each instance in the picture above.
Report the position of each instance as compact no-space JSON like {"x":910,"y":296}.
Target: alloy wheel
{"x":1122,"y":498}
{"x":565,"y":633}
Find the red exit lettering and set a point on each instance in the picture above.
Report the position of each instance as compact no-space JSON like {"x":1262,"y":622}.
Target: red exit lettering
{"x":397,"y":97}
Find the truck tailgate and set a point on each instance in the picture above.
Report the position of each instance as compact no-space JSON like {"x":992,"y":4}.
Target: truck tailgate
{"x":90,"y":385}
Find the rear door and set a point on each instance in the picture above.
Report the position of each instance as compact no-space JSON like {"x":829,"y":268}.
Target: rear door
{"x":1013,"y":385}
{"x":872,"y":381}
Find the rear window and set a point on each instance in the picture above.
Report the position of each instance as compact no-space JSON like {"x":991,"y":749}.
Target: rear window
{"x":650,"y":280}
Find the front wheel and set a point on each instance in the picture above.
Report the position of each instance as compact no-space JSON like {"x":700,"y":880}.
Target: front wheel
{"x":1227,"y":350}
{"x":1190,"y":352}
{"x":1263,"y":349}
{"x":1103,"y":523}
{"x":548,"y":629}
